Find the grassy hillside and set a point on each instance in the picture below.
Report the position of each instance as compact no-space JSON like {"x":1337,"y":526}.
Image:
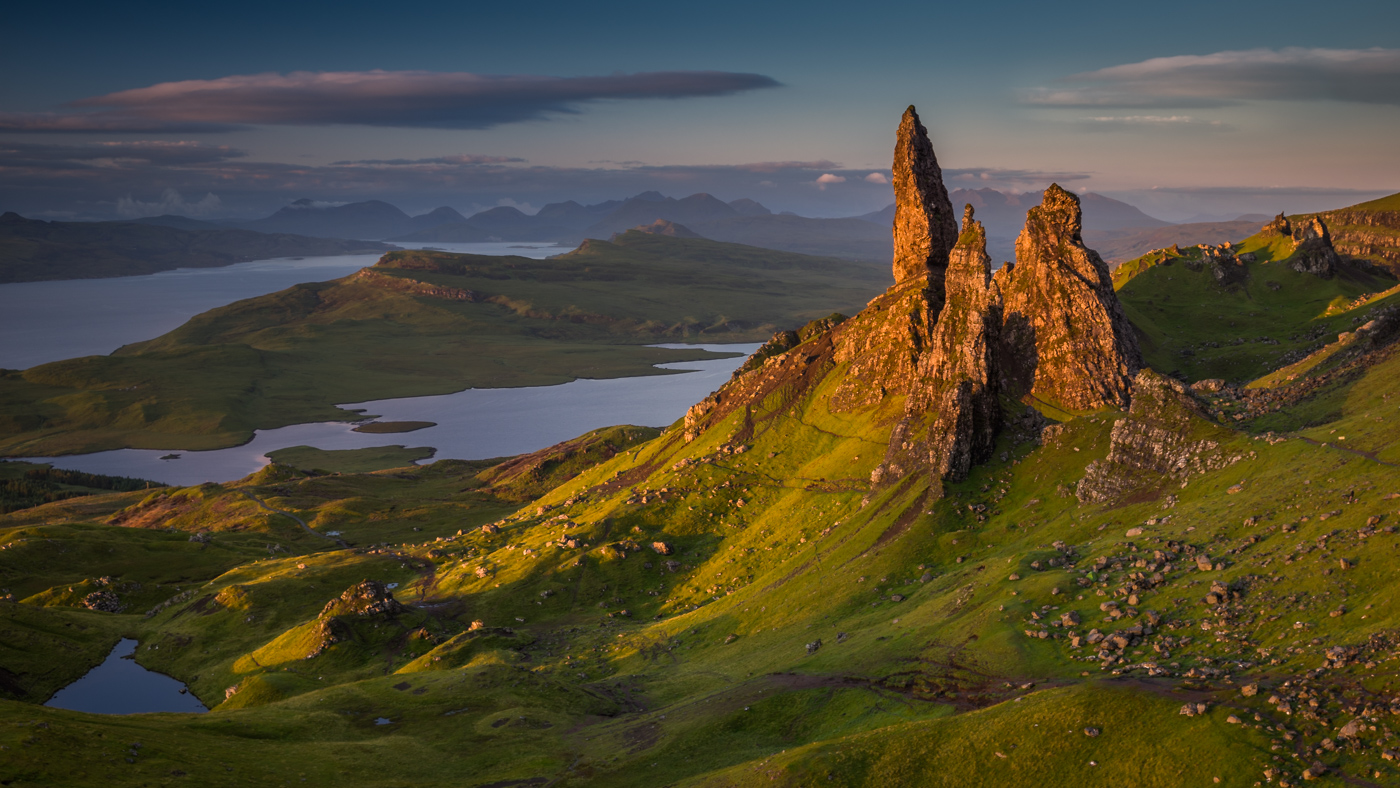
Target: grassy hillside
{"x":426,"y":323}
{"x":32,"y":250}
{"x":632,"y":609}
{"x":1190,"y":324}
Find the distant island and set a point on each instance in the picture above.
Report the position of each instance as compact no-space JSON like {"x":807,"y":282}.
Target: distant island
{"x":34,"y":251}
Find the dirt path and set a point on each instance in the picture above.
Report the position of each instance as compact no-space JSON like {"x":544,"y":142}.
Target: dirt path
{"x":255,"y":499}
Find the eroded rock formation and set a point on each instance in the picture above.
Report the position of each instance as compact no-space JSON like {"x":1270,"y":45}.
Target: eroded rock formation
{"x":939,"y":336}
{"x":1312,"y":249}
{"x":1152,"y":446}
{"x":924,"y":227}
{"x":1066,"y":339}
{"x":952,"y":416}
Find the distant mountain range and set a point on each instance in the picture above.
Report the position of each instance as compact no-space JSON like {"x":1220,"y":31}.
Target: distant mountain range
{"x":1115,"y":228}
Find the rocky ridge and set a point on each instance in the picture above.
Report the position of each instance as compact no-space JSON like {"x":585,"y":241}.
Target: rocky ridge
{"x":952,"y":419}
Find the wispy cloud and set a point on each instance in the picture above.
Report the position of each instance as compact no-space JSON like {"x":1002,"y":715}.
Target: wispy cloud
{"x":876,"y":177}
{"x":407,"y":99}
{"x":1110,"y":122}
{"x":1295,"y":73}
{"x":1014,"y":180}
{"x":829,"y":179}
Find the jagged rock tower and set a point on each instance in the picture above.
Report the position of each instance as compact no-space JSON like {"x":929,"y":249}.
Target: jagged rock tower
{"x":924,"y":228}
{"x":1065,"y":340}
{"x":952,"y":416}
{"x":948,"y":337}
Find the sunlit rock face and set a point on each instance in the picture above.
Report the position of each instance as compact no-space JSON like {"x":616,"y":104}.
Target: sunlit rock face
{"x":952,"y":415}
{"x":924,"y":228}
{"x":1065,"y":339}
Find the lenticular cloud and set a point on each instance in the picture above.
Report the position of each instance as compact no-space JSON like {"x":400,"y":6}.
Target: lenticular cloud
{"x":425,"y":99}
{"x":1302,"y":74}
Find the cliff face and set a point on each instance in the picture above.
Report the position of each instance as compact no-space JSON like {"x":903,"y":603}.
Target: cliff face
{"x":1065,"y":338}
{"x":924,"y":228}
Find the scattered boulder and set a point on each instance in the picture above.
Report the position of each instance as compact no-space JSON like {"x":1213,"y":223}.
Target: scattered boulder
{"x":662,"y":548}
{"x":102,"y":602}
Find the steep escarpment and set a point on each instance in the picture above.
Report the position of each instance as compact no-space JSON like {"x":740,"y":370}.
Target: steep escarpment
{"x":1065,"y":339}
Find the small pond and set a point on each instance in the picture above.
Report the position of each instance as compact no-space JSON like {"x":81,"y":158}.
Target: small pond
{"x":120,"y":686}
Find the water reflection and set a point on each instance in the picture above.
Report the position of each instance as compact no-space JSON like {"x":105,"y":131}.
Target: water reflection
{"x":120,"y":686}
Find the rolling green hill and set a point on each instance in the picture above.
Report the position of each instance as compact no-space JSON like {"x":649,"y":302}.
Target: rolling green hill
{"x":427,"y":323}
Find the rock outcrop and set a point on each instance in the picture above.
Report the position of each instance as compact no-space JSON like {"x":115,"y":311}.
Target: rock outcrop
{"x":366,"y":598}
{"x":1279,"y":226}
{"x":952,"y":416}
{"x":1152,"y":446}
{"x":1312,"y":249}
{"x":1066,"y":339}
{"x":924,"y":228}
{"x":948,"y":337}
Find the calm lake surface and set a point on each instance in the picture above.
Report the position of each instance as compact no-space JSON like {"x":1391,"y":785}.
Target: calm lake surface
{"x":120,"y":686}
{"x":50,"y":321}
{"x":474,"y":424}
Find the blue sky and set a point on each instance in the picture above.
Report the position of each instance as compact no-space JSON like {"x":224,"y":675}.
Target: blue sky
{"x":1181,"y":108}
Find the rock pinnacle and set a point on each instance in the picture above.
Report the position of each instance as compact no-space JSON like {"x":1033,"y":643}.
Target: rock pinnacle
{"x":924,"y":227}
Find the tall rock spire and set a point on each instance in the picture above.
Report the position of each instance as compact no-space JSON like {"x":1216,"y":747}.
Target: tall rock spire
{"x":952,"y":416}
{"x":1066,"y":339}
{"x":924,"y":228}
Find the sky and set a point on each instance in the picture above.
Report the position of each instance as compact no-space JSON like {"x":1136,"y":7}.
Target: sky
{"x":1188,"y":110}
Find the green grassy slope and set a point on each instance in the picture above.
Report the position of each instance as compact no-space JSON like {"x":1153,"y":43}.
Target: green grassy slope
{"x":632,"y":609}
{"x":427,"y":323}
{"x":1189,"y":324}
{"x":808,"y":635}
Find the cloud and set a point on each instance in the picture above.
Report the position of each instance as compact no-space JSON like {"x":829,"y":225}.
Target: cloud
{"x":1008,"y":179}
{"x":466,"y":158}
{"x":876,"y":177}
{"x":828,"y":179}
{"x":1110,"y":122}
{"x":170,"y":202}
{"x":1369,"y":76}
{"x":410,"y":99}
{"x":154,"y":152}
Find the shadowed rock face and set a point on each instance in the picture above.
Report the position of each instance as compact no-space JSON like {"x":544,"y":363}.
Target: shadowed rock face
{"x":952,"y":415}
{"x":1312,"y":249}
{"x":924,"y":228}
{"x":1065,"y":338}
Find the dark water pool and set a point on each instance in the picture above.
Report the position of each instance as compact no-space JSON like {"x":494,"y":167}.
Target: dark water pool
{"x":120,"y":686}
